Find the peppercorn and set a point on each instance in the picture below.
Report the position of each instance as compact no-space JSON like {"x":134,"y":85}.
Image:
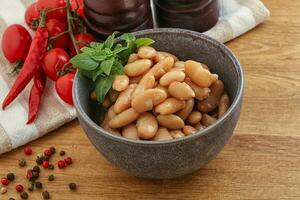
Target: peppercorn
{"x":48,"y":152}
{"x":22,"y":162}
{"x":30,"y":188}
{"x":46,"y":158}
{"x":68,"y":160}
{"x":51,"y":177}
{"x":29,"y":174}
{"x":3,"y":190}
{"x":39,"y":160}
{"x":38,"y":185}
{"x":61,"y":164}
{"x":36,"y":169}
{"x":4,"y":181}
{"x":45,"y":164}
{"x":35,"y":175}
{"x":24,"y":195}
{"x":27,"y":151}
{"x":10,"y":176}
{"x":51,"y":166}
{"x":62,"y":153}
{"x":72,"y":186}
{"x":46,"y":195}
{"x":11,"y":199}
{"x":19,"y":188}
{"x":53,"y":150}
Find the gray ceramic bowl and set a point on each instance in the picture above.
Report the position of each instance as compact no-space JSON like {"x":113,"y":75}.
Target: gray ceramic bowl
{"x":174,"y":158}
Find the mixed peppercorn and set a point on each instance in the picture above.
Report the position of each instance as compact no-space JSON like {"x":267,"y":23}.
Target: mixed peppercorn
{"x":33,"y":174}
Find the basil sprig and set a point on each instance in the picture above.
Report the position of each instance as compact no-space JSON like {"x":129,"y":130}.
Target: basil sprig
{"x":100,"y":62}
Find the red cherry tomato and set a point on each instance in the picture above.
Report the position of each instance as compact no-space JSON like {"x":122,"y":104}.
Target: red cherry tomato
{"x":60,"y":14}
{"x":32,"y":16}
{"x":64,"y":87}
{"x":84,"y":39}
{"x":54,"y":28}
{"x":54,"y":61}
{"x":16,"y":42}
{"x":79,"y":8}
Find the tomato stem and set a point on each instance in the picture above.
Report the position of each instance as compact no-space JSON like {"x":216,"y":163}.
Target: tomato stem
{"x":55,"y":9}
{"x":70,"y":29}
{"x":43,"y":19}
{"x":58,"y":35}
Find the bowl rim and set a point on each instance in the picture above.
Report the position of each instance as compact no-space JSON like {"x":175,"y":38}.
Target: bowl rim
{"x":232,"y":108}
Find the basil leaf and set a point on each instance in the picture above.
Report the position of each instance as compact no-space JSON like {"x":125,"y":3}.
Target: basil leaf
{"x":124,"y":55}
{"x":84,"y":61}
{"x":106,"y":65}
{"x":96,"y":73}
{"x":103,"y":85}
{"x":87,"y":50}
{"x":128,"y":37}
{"x":120,"y":49}
{"x":143,"y":42}
{"x":117,"y":68}
{"x":96,"y":45}
{"x":109,"y":42}
{"x":87,"y":74}
{"x":99,"y":56}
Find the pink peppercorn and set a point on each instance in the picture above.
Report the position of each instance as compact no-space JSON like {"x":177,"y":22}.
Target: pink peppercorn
{"x":61,"y":164}
{"x":27,"y":151}
{"x":48,"y":152}
{"x":5,"y":181}
{"x":68,"y":160}
{"x":45,"y":164}
{"x":19,"y":188}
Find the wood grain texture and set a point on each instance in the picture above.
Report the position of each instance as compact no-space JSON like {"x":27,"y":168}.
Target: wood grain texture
{"x":261,"y":162}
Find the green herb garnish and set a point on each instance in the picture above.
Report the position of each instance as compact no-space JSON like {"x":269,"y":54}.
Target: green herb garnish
{"x":100,"y":62}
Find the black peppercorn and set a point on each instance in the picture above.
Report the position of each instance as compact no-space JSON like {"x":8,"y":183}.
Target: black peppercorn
{"x":38,"y":185}
{"x":46,"y":158}
{"x":10,"y":177}
{"x":22,"y":162}
{"x":24,"y":195}
{"x":11,"y":199}
{"x":53,"y":150}
{"x":51,"y":177}
{"x":35,"y":175}
{"x":62,"y":153}
{"x":46,"y":195}
{"x":39,"y":160}
{"x":51,"y":166}
{"x":72,"y":186}
{"x":30,"y":188}
{"x":36,"y":169}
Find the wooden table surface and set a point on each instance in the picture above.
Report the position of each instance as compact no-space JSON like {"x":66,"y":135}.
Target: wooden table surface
{"x":262,"y":161}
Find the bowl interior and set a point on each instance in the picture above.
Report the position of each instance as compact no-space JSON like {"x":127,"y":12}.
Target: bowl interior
{"x":185,"y":45}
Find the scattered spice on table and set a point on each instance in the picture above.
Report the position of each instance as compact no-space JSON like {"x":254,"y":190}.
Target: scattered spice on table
{"x":10,"y":177}
{"x":22,"y":162}
{"x":24,"y":195}
{"x":53,"y":150}
{"x":51,"y":177}
{"x":38,"y":185}
{"x":62,"y":153}
{"x":19,"y":188}
{"x":61,"y":164}
{"x":46,"y":195}
{"x":4,"y":181}
{"x":27,"y":151}
{"x":72,"y":186}
{"x":3,"y":190}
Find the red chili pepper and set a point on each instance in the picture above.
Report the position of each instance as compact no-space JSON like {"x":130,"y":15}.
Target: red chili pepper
{"x":36,"y":94}
{"x":32,"y":63}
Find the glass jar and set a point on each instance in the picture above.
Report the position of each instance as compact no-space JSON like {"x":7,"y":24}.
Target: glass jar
{"x":103,"y":17}
{"x":197,"y":15}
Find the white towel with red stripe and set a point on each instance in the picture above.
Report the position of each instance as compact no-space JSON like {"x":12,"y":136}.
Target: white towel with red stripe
{"x":237,"y":17}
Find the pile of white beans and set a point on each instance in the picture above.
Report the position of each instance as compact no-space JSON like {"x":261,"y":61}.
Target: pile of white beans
{"x":162,"y":98}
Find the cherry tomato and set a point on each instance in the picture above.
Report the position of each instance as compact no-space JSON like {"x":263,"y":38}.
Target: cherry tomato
{"x":54,"y":61}
{"x":54,"y":28}
{"x":79,"y":8}
{"x":32,"y":16}
{"x":64,"y":87}
{"x":84,"y":39}
{"x":16,"y":42}
{"x":60,"y":14}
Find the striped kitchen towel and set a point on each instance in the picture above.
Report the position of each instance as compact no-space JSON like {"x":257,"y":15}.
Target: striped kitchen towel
{"x":237,"y":17}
